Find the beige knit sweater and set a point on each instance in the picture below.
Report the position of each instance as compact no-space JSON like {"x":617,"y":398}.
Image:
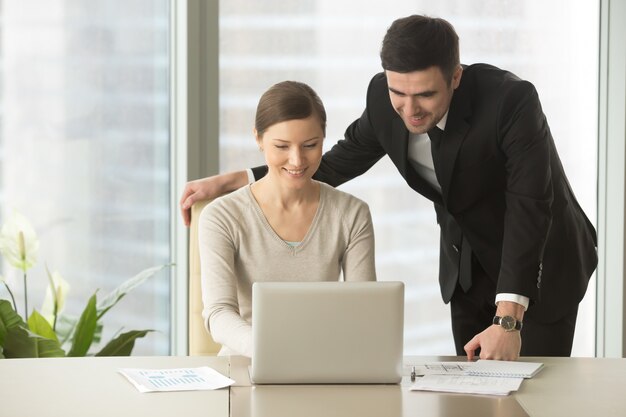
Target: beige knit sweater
{"x":239,"y":247}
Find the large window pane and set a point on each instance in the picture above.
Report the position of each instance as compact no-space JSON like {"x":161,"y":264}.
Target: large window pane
{"x":334,"y":47}
{"x":84,"y":150}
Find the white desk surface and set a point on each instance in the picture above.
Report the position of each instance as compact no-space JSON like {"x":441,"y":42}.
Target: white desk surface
{"x":565,"y":387}
{"x":576,"y":387}
{"x":92,"y":387}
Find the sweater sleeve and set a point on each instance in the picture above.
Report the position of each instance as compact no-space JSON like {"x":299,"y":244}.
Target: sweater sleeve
{"x":219,"y":283}
{"x":359,"y":258}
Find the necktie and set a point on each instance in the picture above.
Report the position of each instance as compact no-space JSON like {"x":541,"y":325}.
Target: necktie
{"x":465,"y":262}
{"x":435,"y":135}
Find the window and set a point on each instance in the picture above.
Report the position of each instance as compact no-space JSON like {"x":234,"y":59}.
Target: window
{"x":85,"y":137}
{"x":85,"y":150}
{"x":333,"y":46}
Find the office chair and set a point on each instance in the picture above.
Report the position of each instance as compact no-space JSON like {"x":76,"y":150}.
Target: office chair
{"x":200,"y":341}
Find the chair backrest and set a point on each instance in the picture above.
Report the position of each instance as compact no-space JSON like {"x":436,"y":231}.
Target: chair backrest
{"x":200,"y":341}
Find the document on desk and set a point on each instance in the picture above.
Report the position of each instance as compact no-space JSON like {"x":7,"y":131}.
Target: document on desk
{"x":439,"y":368}
{"x":515,"y":369}
{"x":464,"y":384}
{"x":179,"y":379}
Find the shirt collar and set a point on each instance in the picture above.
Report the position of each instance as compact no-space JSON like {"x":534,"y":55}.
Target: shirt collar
{"x":442,"y":123}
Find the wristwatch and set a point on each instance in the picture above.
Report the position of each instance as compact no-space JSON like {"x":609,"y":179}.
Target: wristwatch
{"x":508,"y":323}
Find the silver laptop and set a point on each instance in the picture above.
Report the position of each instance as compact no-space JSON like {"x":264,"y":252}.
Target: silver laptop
{"x":327,"y":332}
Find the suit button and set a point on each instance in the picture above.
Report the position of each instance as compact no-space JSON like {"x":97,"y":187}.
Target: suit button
{"x":456,"y":248}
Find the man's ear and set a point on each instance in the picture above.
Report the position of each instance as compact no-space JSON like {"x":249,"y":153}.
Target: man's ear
{"x":456,"y":77}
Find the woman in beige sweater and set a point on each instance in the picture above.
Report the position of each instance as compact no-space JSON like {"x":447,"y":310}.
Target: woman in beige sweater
{"x":284,"y":227}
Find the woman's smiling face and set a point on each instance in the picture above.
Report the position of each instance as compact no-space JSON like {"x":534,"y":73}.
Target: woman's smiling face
{"x":293,"y":150}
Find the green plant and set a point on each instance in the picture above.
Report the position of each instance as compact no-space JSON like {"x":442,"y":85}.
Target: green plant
{"x":50,"y":333}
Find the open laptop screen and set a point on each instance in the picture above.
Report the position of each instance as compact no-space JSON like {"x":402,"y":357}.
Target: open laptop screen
{"x":327,"y":332}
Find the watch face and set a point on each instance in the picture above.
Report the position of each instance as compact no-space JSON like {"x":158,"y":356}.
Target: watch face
{"x":508,"y":323}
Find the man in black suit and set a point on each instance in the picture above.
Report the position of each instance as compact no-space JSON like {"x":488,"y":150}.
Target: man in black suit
{"x":474,"y":140}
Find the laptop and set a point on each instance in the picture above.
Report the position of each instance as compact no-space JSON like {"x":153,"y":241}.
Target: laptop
{"x":327,"y":332}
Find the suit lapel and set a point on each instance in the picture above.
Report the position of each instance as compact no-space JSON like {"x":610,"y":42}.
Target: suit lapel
{"x":399,"y":146}
{"x":453,"y":136}
{"x":399,"y":155}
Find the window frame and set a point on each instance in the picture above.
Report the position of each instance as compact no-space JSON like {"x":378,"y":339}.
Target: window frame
{"x":611,"y":292}
{"x":194,"y":121}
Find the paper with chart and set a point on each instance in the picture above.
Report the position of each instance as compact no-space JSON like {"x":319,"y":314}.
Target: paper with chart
{"x":459,"y":377}
{"x":467,"y":384}
{"x":514,"y":369}
{"x":179,"y":379}
{"x":439,"y":368}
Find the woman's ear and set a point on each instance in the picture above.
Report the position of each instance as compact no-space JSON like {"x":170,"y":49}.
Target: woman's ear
{"x":259,"y":140}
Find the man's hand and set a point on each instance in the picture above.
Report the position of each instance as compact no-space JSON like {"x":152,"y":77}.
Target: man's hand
{"x":209,"y":188}
{"x":495,"y":342}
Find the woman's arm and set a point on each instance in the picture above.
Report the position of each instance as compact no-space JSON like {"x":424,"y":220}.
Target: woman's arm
{"x":359,"y":257}
{"x":219,"y":283}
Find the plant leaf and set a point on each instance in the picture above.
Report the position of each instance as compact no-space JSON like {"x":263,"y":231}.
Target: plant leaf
{"x":8,"y":319}
{"x":97,"y":334}
{"x":3,"y":334}
{"x":65,"y":327}
{"x":66,"y":324}
{"x":22,"y":343}
{"x":83,"y":335}
{"x":9,"y":316}
{"x":123,"y":344}
{"x":116,"y":295}
{"x":39,"y":325}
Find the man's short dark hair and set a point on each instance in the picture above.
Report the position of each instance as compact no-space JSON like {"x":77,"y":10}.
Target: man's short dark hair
{"x":416,"y":43}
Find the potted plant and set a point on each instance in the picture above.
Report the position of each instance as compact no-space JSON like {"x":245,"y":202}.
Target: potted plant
{"x":49,"y":332}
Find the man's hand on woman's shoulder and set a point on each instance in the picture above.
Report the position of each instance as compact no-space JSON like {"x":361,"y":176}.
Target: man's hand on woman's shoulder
{"x":208,"y":189}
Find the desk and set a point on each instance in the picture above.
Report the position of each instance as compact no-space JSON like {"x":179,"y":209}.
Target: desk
{"x":565,"y":387}
{"x":576,"y":387}
{"x":92,"y":387}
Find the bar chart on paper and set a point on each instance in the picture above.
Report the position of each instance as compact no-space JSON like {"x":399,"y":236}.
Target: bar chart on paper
{"x":172,"y":378}
{"x":180,"y":379}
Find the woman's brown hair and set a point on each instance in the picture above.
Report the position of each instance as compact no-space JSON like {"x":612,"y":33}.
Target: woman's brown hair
{"x":288,"y":100}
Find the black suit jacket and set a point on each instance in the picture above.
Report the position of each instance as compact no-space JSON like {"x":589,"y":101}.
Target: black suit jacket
{"x":502,"y":187}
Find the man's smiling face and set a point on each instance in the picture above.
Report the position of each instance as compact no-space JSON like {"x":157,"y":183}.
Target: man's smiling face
{"x":421,"y":98}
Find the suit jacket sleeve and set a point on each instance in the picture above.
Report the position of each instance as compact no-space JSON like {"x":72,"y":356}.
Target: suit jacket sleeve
{"x":525,"y":142}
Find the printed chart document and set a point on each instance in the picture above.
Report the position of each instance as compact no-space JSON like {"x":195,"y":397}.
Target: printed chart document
{"x":467,"y":384}
{"x":440,"y":368}
{"x":505,"y":369}
{"x":480,"y":377}
{"x":180,"y":379}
